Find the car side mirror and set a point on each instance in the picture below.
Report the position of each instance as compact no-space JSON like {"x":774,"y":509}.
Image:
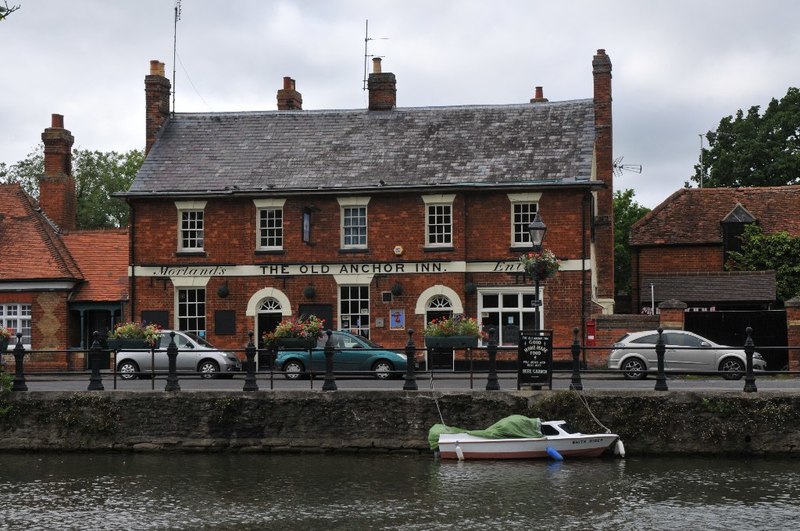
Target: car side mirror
{"x":705,"y":344}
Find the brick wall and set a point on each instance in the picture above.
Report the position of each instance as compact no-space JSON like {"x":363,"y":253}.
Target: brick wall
{"x":649,"y":261}
{"x":482,"y":228}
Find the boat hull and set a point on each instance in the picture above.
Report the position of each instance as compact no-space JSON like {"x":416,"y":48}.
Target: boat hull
{"x":465,"y":446}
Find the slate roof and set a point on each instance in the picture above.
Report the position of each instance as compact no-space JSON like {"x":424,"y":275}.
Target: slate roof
{"x":350,"y":150}
{"x":30,"y":248}
{"x":720,"y":286}
{"x":692,"y":216}
{"x":103,"y":258}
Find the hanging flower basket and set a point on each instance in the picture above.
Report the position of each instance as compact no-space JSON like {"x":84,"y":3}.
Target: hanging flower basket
{"x":540,"y":265}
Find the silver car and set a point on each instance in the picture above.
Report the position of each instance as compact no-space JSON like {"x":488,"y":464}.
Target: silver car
{"x":635,"y":354}
{"x":195,"y":354}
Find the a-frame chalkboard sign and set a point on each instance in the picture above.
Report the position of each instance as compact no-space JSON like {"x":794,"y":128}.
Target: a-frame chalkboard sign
{"x":535,"y":358}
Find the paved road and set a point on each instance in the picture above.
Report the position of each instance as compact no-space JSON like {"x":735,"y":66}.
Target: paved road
{"x":425,"y":381}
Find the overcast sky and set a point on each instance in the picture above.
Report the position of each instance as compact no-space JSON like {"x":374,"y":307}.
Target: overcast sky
{"x":679,"y":66}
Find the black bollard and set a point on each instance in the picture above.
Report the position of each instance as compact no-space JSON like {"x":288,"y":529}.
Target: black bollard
{"x":95,"y":358}
{"x":410,"y":383}
{"x":19,"y":373}
{"x":576,"y":384}
{"x":491,"y":380}
{"x":661,"y":379}
{"x":749,"y":376}
{"x":250,"y":355}
{"x":330,"y":380}
{"x":172,"y":375}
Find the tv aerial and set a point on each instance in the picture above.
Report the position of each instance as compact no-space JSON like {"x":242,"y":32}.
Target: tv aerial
{"x":367,"y":38}
{"x":619,"y":167}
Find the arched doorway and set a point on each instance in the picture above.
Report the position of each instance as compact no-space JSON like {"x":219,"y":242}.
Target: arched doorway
{"x":268,"y":315}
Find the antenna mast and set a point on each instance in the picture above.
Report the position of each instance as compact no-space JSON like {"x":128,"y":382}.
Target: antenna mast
{"x":367,"y":38}
{"x":174,"y":48}
{"x":619,"y":167}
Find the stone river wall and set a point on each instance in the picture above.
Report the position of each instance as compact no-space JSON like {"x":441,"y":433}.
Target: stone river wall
{"x":389,"y":421}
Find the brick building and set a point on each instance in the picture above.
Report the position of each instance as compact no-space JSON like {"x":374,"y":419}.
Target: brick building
{"x":678,"y":250}
{"x":375,"y":219}
{"x":57,"y":284}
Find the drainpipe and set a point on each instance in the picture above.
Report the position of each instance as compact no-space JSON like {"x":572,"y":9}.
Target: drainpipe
{"x":131,"y":260}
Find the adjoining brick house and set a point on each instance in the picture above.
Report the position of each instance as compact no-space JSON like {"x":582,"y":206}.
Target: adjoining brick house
{"x":678,"y":253}
{"x":678,"y":250}
{"x":57,"y":284}
{"x":375,"y":219}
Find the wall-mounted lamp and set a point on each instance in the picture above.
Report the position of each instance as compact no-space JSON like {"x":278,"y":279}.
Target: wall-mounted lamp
{"x":397,"y":289}
{"x":310,"y":292}
{"x":223,"y":290}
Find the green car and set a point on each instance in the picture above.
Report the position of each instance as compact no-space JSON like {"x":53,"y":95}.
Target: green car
{"x":354,"y":355}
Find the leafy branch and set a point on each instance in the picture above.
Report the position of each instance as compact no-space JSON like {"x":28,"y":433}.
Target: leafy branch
{"x":6,"y":10}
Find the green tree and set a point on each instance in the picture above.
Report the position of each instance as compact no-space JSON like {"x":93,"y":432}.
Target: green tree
{"x":626,"y":213}
{"x":25,"y":172}
{"x":778,"y":252}
{"x":97,"y":175}
{"x":754,"y":149}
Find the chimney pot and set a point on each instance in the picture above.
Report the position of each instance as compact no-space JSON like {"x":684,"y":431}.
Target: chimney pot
{"x":156,"y":68}
{"x":376,"y":65}
{"x":288,"y":83}
{"x":57,"y":121}
{"x":538,"y":96}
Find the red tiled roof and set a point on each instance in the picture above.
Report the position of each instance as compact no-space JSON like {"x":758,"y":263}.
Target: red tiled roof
{"x":103,"y":258}
{"x":693,"y":215}
{"x":30,"y":247}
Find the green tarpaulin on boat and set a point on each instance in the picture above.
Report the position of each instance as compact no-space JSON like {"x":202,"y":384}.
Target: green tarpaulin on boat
{"x":513,"y":426}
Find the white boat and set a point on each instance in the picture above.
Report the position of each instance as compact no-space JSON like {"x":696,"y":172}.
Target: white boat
{"x":556,"y":442}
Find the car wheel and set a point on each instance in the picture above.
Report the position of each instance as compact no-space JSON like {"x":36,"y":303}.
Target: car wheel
{"x":293,"y":369}
{"x":383,"y":369}
{"x":208,"y":369}
{"x":732,"y":369}
{"x":127,"y":370}
{"x":634,"y":369}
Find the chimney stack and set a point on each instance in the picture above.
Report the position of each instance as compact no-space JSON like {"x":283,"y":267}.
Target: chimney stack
{"x":288,"y":98}
{"x":604,"y":162}
{"x":157,"y":90}
{"x":57,"y":195}
{"x":539,"y":96}
{"x":382,"y":88}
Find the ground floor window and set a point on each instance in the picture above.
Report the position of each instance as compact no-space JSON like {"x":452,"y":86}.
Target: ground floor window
{"x":508,"y":310}
{"x":354,"y":309}
{"x":17,"y":318}
{"x":192,"y":310}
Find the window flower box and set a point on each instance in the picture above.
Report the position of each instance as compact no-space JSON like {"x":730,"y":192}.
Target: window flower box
{"x":457,"y":331}
{"x":295,"y":333}
{"x":445,"y":342}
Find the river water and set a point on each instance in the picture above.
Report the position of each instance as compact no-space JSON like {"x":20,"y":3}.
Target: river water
{"x":352,"y":492}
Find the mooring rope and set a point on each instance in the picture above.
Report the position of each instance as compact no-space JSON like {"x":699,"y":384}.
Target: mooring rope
{"x":586,"y":404}
{"x":436,"y":400}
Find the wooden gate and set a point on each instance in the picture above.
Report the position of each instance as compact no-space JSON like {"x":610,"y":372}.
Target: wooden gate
{"x":728,"y":328}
